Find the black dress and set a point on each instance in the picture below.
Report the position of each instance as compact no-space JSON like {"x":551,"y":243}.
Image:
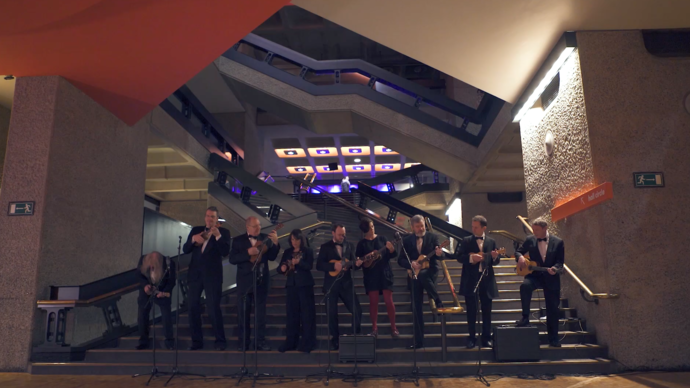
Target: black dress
{"x":378,"y":277}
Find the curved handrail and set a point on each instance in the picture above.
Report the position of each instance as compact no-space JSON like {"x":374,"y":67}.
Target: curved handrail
{"x":583,"y":287}
{"x":484,"y":115}
{"x":130,"y":287}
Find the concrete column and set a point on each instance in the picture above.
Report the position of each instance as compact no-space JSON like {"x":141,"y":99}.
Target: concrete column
{"x":85,"y":170}
{"x":620,"y":110}
{"x":242,"y":126}
{"x":4,"y":129}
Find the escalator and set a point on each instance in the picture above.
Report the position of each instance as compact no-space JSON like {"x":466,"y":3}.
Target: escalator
{"x":353,"y":96}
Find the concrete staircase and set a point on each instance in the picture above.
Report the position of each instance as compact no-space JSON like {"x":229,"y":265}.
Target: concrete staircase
{"x":580,"y":353}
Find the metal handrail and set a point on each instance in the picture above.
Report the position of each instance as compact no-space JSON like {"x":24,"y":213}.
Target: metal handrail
{"x":457,"y":308}
{"x":129,"y":288}
{"x":584,"y":290}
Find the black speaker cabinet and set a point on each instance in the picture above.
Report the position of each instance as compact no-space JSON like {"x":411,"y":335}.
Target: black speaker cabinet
{"x":366,"y":348}
{"x":516,"y":343}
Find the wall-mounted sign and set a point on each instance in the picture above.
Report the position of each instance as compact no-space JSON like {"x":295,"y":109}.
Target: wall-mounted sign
{"x":648,"y":179}
{"x":593,"y":197}
{"x":21,"y":209}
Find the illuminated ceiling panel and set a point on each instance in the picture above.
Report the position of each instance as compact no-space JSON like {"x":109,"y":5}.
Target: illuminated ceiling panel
{"x":358,"y":168}
{"x":408,"y":165}
{"x":388,"y":167}
{"x":300,"y":170}
{"x":324,"y":169}
{"x":290,"y":153}
{"x":355,"y":151}
{"x":318,"y":152}
{"x":383,"y":150}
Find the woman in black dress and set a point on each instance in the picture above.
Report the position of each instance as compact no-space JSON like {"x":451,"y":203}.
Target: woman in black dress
{"x":378,"y":278}
{"x":299,"y":286}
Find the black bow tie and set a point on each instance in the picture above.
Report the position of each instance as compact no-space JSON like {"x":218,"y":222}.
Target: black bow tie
{"x":478,"y":238}
{"x":339,"y":244}
{"x":541,"y":239}
{"x":250,"y":236}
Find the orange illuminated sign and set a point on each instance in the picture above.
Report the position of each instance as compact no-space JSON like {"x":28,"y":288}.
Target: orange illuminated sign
{"x":593,"y":197}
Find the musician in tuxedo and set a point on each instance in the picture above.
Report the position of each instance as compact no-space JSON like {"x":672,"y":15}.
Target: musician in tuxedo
{"x":378,"y":278}
{"x":340,"y":286}
{"x":154,"y":270}
{"x":421,"y":243}
{"x":299,"y":287}
{"x":208,"y":244}
{"x":243,"y":248}
{"x":546,"y":250}
{"x":476,"y":253}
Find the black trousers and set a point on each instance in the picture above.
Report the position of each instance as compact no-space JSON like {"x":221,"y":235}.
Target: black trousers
{"x":344,"y":292}
{"x":144,"y":317}
{"x":553,"y":299}
{"x":471,"y":305}
{"x":426,"y":281}
{"x":245,"y":310}
{"x":301,"y":318}
{"x":213,"y":290}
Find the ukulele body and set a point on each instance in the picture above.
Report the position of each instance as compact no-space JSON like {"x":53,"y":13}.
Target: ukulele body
{"x":345,"y":262}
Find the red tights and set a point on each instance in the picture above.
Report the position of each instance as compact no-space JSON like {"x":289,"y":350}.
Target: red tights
{"x":374,"y":308}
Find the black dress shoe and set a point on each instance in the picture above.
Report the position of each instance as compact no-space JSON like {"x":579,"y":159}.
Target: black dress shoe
{"x":284,"y":348}
{"x":554,"y":344}
{"x":487,"y":344}
{"x":220,"y":347}
{"x":195,"y":347}
{"x":522,"y":322}
{"x":471,"y":343}
{"x":335,"y":345}
{"x":142,"y":346}
{"x":263,"y":347}
{"x":418,"y":346}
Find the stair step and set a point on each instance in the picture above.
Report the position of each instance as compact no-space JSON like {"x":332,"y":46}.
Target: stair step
{"x":450,"y":369}
{"x":231,"y":355}
{"x":383,"y":327}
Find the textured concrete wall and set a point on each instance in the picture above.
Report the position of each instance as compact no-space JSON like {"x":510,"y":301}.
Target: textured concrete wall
{"x":634,"y":121}
{"x":500,"y":216}
{"x":85,"y":170}
{"x":4,"y":129}
{"x":190,"y":212}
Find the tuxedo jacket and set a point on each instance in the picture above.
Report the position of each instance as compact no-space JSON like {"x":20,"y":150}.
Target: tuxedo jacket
{"x":329,"y":252}
{"x":207,"y":265}
{"x":470,"y":272}
{"x":555,"y":257}
{"x":168,"y":282}
{"x":302,"y":276}
{"x":429,"y":244}
{"x":240,"y":257}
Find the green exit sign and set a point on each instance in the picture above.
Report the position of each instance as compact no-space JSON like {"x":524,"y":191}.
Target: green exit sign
{"x":648,"y":179}
{"x":21,"y":209}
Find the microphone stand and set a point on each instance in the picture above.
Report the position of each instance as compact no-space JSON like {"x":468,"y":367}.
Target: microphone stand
{"x":329,"y":368}
{"x":243,"y":370}
{"x":154,"y":369}
{"x":257,"y":376}
{"x":480,"y":375}
{"x":175,"y":369}
{"x":415,"y":374}
{"x":354,"y":377}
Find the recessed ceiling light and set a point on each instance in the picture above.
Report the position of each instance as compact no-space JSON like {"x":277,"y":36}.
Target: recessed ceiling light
{"x":387,"y":150}
{"x":358,"y":168}
{"x":323,"y":152}
{"x":358,"y":160}
{"x":290,"y":152}
{"x":387,"y":167}
{"x":355,"y":150}
{"x":300,"y":169}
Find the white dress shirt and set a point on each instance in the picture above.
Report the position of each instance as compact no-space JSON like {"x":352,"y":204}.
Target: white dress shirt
{"x":542,"y":245}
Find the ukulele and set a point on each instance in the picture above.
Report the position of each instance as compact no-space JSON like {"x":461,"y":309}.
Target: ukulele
{"x":289,"y":265}
{"x":531,"y":266}
{"x":423,"y":260}
{"x":501,"y":253}
{"x":370,"y":259}
{"x":262,"y":245}
{"x":206,"y":234}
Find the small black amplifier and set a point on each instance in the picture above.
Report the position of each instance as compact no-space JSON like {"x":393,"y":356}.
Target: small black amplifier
{"x":366,"y":348}
{"x":516,"y":343}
